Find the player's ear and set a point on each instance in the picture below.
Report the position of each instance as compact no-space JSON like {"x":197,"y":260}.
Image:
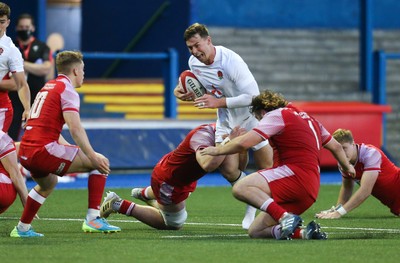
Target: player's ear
{"x":75,"y":72}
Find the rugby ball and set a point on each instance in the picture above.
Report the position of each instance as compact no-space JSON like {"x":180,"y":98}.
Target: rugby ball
{"x":190,"y":83}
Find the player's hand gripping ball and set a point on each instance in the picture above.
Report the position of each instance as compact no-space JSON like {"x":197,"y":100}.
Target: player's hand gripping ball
{"x":190,"y":83}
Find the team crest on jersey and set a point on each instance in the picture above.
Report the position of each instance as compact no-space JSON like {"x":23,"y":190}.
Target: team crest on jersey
{"x":1,"y":50}
{"x":35,"y":48}
{"x":197,"y":72}
{"x":220,"y":75}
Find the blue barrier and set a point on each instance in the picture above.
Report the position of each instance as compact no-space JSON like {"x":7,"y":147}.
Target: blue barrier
{"x":379,"y":88}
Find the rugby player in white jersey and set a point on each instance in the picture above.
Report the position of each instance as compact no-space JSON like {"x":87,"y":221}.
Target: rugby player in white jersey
{"x":230,"y":88}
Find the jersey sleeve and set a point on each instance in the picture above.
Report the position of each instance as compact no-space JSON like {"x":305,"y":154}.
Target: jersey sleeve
{"x":271,"y":124}
{"x":16,"y":62}
{"x":202,"y":138}
{"x":371,"y":158}
{"x":238,"y":71}
{"x":325,"y":134}
{"x":70,"y":100}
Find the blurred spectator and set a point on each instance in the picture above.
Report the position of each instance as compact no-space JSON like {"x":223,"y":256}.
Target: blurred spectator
{"x":38,"y":62}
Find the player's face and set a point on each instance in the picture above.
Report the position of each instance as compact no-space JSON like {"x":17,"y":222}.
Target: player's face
{"x":25,"y":24}
{"x":350,"y":150}
{"x":80,"y":73}
{"x":201,"y":48}
{"x":4,"y":23}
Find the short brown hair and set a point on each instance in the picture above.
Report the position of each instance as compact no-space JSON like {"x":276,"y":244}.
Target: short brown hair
{"x":194,"y":29}
{"x":343,"y":136}
{"x":268,"y":101}
{"x":65,"y":61}
{"x":5,"y":10}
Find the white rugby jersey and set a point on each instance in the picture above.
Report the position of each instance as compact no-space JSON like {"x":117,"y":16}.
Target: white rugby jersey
{"x":228,"y":76}
{"x":10,"y":57}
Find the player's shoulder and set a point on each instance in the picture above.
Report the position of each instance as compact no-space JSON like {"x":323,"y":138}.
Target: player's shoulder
{"x":227,"y":54}
{"x":7,"y":41}
{"x":368,"y":152}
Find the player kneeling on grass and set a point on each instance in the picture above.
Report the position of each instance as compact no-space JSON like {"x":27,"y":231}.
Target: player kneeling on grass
{"x":172,"y":180}
{"x":294,"y":182}
{"x":47,"y":155}
{"x":375,"y":173}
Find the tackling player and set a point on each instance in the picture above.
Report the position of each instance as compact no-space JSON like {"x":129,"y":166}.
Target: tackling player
{"x":172,"y":180}
{"x":294,"y":183}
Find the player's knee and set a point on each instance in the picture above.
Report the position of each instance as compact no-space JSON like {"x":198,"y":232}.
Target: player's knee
{"x":176,"y":220}
{"x":238,"y":190}
{"x":254,"y":234}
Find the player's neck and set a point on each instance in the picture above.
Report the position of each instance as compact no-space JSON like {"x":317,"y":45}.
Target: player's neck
{"x":212,"y":57}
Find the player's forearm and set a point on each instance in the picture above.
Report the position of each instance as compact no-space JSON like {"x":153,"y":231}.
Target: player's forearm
{"x":356,"y":200}
{"x":81,"y":139}
{"x":210,"y":163}
{"x":19,"y":184}
{"x":8,"y":85}
{"x":344,"y":196}
{"x":38,"y":69}
{"x":25,"y":97}
{"x":230,"y":148}
{"x":243,"y":100}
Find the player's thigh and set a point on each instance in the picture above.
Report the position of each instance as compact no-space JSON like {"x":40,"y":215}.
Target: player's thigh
{"x":8,"y":195}
{"x":173,"y":208}
{"x":230,"y":167}
{"x":81,"y":163}
{"x":263,"y":156}
{"x":251,"y":181}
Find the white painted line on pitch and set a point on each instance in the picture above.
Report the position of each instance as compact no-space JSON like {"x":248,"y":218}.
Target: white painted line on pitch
{"x":365,"y":229}
{"x":385,"y":230}
{"x":205,"y":236}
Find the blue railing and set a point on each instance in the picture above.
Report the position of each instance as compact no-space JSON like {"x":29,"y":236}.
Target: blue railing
{"x":379,"y":87}
{"x":170,"y":72}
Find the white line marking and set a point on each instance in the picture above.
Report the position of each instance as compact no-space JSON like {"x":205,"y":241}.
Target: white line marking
{"x":354,"y":229}
{"x":205,"y":236}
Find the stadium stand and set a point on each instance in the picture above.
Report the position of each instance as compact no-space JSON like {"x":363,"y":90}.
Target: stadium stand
{"x":133,"y":100}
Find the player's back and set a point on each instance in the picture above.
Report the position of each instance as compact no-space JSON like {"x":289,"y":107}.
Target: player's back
{"x":300,"y":140}
{"x":46,"y":119}
{"x":180,"y":166}
{"x":371,"y":158}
